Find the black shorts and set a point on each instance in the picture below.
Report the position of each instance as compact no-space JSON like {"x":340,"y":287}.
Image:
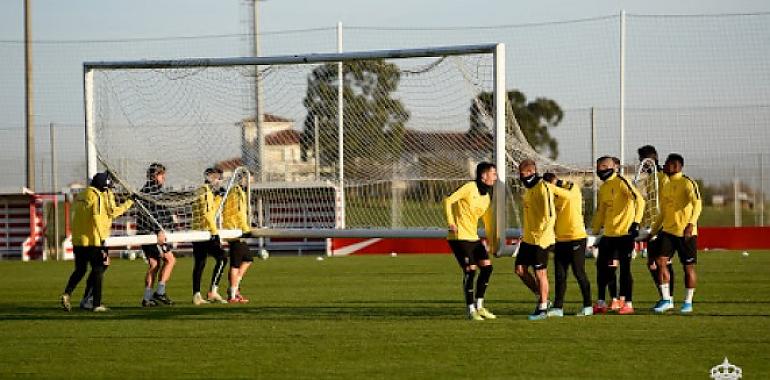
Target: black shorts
{"x":615,"y":248}
{"x":686,"y":248}
{"x":152,"y":251}
{"x":201,"y":249}
{"x":239,"y":253}
{"x":573,"y":247}
{"x":653,"y":248}
{"x":533,"y":255}
{"x":468,"y":252}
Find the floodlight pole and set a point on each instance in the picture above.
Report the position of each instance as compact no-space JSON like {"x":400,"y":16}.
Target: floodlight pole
{"x":341,"y":129}
{"x":500,"y":96}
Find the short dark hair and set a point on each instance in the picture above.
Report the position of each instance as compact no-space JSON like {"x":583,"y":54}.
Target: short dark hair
{"x":154,"y":169}
{"x":484,"y":167}
{"x":212,"y":171}
{"x":527,"y":162}
{"x":604,"y":158}
{"x":675,"y":157}
{"x":615,"y":160}
{"x":548,"y":177}
{"x":648,"y":151}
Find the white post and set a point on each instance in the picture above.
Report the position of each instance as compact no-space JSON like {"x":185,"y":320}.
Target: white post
{"x":622,"y":90}
{"x":340,"y":128}
{"x":259,"y":98}
{"x":736,"y":201}
{"x":595,"y":186}
{"x":761,"y":190}
{"x":54,"y":190}
{"x":316,"y":150}
{"x":500,"y":96}
{"x":88,"y":97}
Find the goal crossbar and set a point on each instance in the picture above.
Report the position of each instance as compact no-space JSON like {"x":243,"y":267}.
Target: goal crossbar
{"x":292,"y":59}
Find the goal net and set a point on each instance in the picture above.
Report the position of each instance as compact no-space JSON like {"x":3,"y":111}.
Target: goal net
{"x":371,"y":152}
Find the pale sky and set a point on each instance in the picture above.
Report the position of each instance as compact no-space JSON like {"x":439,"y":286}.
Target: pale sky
{"x":576,"y":64}
{"x":109,"y":19}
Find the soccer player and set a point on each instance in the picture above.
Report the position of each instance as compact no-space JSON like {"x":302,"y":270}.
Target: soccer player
{"x":91,"y":220}
{"x":620,"y":210}
{"x":676,"y":228}
{"x":235,"y":216}
{"x":160,"y":254}
{"x":114,"y":211}
{"x":653,"y":246}
{"x":570,"y":248}
{"x":204,"y":218}
{"x":538,"y":236}
{"x":463,"y":209}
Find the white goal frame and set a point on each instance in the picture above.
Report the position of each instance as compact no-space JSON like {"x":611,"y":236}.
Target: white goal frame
{"x":496,"y":50}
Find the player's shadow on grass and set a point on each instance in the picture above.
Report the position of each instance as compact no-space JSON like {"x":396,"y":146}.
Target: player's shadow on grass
{"x":341,"y":310}
{"x":227,"y":312}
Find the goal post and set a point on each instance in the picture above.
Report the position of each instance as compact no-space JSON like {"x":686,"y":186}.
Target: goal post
{"x":408,"y":139}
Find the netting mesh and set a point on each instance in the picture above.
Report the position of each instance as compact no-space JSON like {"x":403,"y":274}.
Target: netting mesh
{"x":647,"y":181}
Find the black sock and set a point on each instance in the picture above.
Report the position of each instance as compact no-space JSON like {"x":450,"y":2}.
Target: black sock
{"x":601,"y":282}
{"x":655,"y":279}
{"x":612,"y":282}
{"x":468,"y":286}
{"x":483,"y":281}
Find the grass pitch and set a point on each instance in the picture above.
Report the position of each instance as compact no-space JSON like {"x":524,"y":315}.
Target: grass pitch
{"x":377,"y":317}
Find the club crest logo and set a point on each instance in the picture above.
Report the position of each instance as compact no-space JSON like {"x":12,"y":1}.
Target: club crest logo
{"x":726,"y":371}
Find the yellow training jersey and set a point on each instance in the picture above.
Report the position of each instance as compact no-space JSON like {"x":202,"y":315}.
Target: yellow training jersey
{"x":619,"y":205}
{"x":568,"y":203}
{"x":235,"y":213}
{"x":680,"y":205}
{"x":539,"y":215}
{"x":92,"y":215}
{"x":205,"y":210}
{"x":464,"y":208}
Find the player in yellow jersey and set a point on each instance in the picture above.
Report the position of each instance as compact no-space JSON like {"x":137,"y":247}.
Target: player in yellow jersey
{"x":653,"y":246}
{"x":619,"y":212}
{"x":676,"y":228}
{"x":570,"y":248}
{"x":235,"y":216}
{"x":113,"y":211}
{"x":538,"y":237}
{"x":463,"y":209}
{"x":204,"y":218}
{"x":91,"y":221}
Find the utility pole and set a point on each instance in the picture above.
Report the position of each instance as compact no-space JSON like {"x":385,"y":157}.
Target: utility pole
{"x":29,"y":119}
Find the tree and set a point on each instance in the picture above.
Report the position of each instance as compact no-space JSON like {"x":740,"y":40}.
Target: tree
{"x":535,"y":119}
{"x":373,"y":120}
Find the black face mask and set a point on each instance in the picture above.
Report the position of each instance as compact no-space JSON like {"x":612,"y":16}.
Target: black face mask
{"x":530,"y":180}
{"x":605,"y":174}
{"x":483,"y":188}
